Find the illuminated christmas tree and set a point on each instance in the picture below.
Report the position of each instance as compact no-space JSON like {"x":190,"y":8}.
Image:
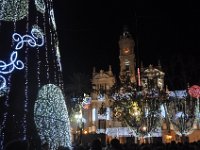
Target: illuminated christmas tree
{"x":31,"y":86}
{"x":138,"y":109}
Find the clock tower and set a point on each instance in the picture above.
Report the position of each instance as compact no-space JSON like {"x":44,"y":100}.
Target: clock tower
{"x":127,"y":55}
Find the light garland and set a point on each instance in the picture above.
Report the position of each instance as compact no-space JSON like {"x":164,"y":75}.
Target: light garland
{"x":53,"y":19}
{"x":26,"y":98}
{"x":8,"y":68}
{"x":12,"y":10}
{"x":40,"y":6}
{"x":6,"y":105}
{"x":46,"y":51}
{"x":18,"y":64}
{"x":58,"y":56}
{"x":30,"y":40}
{"x":47,"y":60}
{"x":55,"y":43}
{"x":53,"y":125}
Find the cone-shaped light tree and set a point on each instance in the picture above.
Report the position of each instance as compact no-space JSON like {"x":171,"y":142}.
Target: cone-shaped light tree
{"x":31,"y":85}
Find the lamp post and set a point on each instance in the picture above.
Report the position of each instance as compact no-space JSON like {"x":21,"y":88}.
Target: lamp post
{"x":80,"y":124}
{"x":82,"y":103}
{"x":102,"y":115}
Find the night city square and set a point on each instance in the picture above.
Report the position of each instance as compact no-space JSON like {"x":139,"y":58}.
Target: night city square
{"x":113,"y":75}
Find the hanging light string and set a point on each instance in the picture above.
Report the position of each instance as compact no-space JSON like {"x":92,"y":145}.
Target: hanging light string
{"x":7,"y":90}
{"x":38,"y":60}
{"x":2,"y":124}
{"x":13,"y":10}
{"x":50,"y":97}
{"x":57,"y":57}
{"x":46,"y":50}
{"x":6,"y":102}
{"x":56,"y":45}
{"x":52,"y":42}
{"x":26,"y":100}
{"x":5,"y":114}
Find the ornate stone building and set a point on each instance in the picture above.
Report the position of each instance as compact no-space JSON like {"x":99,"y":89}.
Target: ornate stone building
{"x":98,"y":116}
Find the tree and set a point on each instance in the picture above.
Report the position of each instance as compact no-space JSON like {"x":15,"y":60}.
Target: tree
{"x":137,"y":109}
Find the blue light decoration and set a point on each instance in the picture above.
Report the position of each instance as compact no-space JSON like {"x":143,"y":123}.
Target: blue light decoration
{"x":51,"y":117}
{"x":8,"y":68}
{"x":41,"y":64}
{"x":14,"y":63}
{"x":30,"y":40}
{"x":18,"y":64}
{"x":2,"y":84}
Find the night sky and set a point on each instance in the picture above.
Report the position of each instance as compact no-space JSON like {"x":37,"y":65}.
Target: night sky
{"x":170,"y":32}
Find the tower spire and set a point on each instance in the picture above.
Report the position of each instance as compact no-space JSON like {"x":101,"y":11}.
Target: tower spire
{"x":127,"y":54}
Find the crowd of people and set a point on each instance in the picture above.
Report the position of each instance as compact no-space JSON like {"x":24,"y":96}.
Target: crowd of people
{"x":116,"y":145}
{"x":113,"y":145}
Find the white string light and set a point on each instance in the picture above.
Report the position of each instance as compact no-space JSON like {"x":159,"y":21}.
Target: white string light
{"x":52,"y":42}
{"x":41,"y":36}
{"x":40,"y":6}
{"x":53,"y":125}
{"x":12,"y":10}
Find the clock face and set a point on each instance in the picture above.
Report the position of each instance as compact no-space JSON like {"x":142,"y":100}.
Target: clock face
{"x":126,"y":50}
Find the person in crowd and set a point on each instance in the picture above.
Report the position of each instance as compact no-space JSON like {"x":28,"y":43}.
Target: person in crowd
{"x":45,"y":146}
{"x":115,"y":144}
{"x":96,"y":145}
{"x":17,"y":145}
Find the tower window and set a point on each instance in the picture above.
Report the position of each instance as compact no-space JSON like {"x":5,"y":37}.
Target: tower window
{"x":127,"y":62}
{"x":127,"y":67}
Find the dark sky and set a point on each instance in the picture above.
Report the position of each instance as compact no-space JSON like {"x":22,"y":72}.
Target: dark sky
{"x":89,"y":32}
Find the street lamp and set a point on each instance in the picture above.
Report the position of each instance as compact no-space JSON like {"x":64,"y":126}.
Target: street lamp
{"x":102,"y":116}
{"x":80,"y":124}
{"x":81,"y":103}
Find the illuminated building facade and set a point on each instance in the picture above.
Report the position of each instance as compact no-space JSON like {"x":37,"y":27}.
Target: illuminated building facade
{"x":99,"y":116}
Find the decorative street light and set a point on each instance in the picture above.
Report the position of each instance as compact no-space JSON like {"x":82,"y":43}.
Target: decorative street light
{"x":77,"y":114}
{"x":102,"y":117}
{"x":80,"y":124}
